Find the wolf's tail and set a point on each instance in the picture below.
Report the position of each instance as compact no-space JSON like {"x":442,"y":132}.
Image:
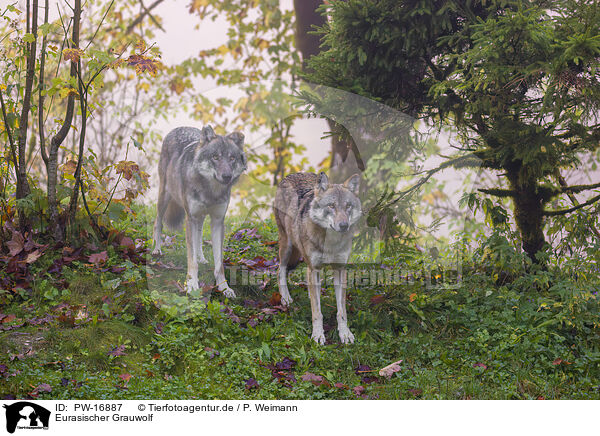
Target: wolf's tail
{"x":174,"y":216}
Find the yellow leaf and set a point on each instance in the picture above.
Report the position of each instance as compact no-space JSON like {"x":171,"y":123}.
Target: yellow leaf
{"x":140,"y":46}
{"x":263,"y":44}
{"x":69,"y":167}
{"x":197,"y":4}
{"x":2,"y":86}
{"x":72,"y":54}
{"x":223,"y":50}
{"x":65,"y":92}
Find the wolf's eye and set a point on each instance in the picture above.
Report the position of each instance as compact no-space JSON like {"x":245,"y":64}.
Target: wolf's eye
{"x":215,"y":157}
{"x":231,"y":158}
{"x":331,"y":206}
{"x":348,"y":206}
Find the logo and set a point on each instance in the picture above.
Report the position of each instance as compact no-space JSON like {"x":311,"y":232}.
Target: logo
{"x":26,"y":415}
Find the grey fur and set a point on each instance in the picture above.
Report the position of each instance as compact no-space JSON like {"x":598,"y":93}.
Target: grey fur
{"x":316,"y":222}
{"x":197,"y":169}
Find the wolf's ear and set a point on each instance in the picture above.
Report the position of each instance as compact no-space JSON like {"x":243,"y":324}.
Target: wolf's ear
{"x":353,"y":183}
{"x":322,"y":182}
{"x":237,"y":138}
{"x":209,"y":134}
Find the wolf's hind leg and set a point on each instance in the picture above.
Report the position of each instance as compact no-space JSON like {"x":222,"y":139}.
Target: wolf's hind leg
{"x":192,"y":264}
{"x":198,"y":238}
{"x":340,"y":285}
{"x":285,"y":252}
{"x":314,"y":292}
{"x":161,"y":207}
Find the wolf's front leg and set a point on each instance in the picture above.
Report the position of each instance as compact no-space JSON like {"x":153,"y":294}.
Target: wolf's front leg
{"x":340,"y":284}
{"x":314,"y":292}
{"x":217,"y":234}
{"x":198,"y":239}
{"x":192,"y":264}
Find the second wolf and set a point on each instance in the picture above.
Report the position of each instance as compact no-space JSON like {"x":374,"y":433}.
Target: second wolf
{"x":197,"y":169}
{"x":316,"y":221}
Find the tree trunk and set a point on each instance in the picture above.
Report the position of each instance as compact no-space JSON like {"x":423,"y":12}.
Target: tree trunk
{"x":529,"y":214}
{"x":23,"y":188}
{"x":307,"y":18}
{"x":56,"y":227}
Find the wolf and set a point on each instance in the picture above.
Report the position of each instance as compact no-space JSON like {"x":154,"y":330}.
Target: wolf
{"x":316,"y":221}
{"x":197,"y":169}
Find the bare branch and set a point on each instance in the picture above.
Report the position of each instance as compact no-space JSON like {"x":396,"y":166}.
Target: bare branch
{"x":141,"y":17}
{"x":455,"y":162}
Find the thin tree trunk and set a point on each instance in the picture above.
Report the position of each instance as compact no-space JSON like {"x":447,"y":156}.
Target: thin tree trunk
{"x":56,"y":226}
{"x":23,"y":188}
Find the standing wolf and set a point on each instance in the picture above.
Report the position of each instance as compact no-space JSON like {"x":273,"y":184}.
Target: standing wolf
{"x":316,"y":221}
{"x":197,"y":169}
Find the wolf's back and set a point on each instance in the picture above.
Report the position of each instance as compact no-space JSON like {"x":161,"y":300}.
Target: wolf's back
{"x":175,"y":141}
{"x":293,"y":195}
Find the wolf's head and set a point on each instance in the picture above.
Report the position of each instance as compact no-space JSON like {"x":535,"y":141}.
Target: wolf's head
{"x":221,"y":157}
{"x":336,"y":207}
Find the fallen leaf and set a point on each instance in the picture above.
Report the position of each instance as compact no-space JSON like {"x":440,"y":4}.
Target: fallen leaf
{"x":125,"y":377}
{"x":117,"y":351}
{"x":98,"y":258}
{"x":285,"y":364}
{"x":315,"y":379}
{"x":480,"y":365}
{"x":15,"y":245}
{"x":33,"y":256}
{"x":275,"y":299}
{"x":358,"y":390}
{"x":415,"y":392}
{"x":361,"y":369}
{"x":377,"y":299}
{"x":252,"y":384}
{"x":8,"y":318}
{"x":390,"y":370}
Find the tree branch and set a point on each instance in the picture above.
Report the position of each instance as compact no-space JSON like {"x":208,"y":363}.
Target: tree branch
{"x":141,"y":17}
{"x":429,"y":173}
{"x":575,"y":188}
{"x":504,"y":193}
{"x":572,"y":209}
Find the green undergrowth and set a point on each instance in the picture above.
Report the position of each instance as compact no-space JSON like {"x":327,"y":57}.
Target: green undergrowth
{"x":500,"y":328}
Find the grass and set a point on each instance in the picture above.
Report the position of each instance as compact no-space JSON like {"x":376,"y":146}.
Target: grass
{"x":522,"y":334}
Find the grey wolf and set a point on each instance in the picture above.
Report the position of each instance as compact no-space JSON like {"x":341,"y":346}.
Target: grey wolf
{"x":316,"y":221}
{"x":197,"y":169}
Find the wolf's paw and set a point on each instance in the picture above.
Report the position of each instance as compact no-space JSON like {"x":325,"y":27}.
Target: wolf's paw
{"x":191,"y":285}
{"x":157,"y":252}
{"x":202,"y":260}
{"x":286,"y":299}
{"x":318,"y":335}
{"x":346,"y":336}
{"x":228,"y":292}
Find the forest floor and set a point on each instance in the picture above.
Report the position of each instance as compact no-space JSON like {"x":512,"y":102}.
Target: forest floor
{"x":115,"y":323}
